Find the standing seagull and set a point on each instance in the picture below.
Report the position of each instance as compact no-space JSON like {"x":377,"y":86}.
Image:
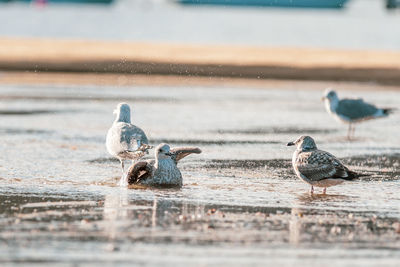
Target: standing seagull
{"x":125,"y":141}
{"x":162,"y":171}
{"x":352,"y":110}
{"x":317,"y":167}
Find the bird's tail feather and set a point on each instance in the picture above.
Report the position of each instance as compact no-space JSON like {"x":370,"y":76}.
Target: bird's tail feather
{"x":388,"y":111}
{"x":354,"y":175}
{"x":136,"y":154}
{"x":133,"y":155}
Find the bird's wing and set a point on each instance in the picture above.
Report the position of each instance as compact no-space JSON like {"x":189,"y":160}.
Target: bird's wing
{"x":318,"y":165}
{"x":140,"y":171}
{"x":356,"y":109}
{"x":181,"y":152}
{"x":132,"y":135}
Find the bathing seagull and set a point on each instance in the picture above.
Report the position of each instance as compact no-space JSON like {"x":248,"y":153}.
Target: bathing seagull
{"x":162,"y":171}
{"x":317,"y":167}
{"x":352,"y":110}
{"x":126,"y":141}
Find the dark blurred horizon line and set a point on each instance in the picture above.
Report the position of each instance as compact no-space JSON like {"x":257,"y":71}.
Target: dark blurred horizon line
{"x":44,"y":2}
{"x":314,"y":4}
{"x":336,"y":4}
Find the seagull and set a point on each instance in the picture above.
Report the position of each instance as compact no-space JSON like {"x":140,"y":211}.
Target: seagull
{"x":162,"y":171}
{"x":317,"y":167}
{"x":352,"y":111}
{"x":126,"y":141}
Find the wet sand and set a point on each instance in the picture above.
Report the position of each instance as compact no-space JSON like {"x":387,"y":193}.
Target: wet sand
{"x":114,"y":79}
{"x":240,"y":202}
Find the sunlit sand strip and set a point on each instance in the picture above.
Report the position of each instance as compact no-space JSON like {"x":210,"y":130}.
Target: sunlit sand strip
{"x":199,"y":60}
{"x":72,"y":51}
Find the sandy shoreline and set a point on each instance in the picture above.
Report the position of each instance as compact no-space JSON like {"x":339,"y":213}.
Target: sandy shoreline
{"x":43,"y":55}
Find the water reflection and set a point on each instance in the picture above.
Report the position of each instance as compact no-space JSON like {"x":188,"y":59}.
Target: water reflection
{"x":307,"y":198}
{"x":121,"y":216}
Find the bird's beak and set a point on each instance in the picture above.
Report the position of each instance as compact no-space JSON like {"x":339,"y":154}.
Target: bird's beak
{"x":323,"y":98}
{"x":290,"y":144}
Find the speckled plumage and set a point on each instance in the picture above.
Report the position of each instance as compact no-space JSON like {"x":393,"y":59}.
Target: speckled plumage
{"x":317,"y":167}
{"x":162,"y":171}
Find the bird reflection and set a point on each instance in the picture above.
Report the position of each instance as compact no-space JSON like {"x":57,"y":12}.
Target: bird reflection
{"x":307,"y":198}
{"x":124,"y":215}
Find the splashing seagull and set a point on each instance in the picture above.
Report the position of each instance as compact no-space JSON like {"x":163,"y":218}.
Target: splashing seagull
{"x":162,"y":171}
{"x":352,"y":111}
{"x":317,"y":167}
{"x":126,"y":141}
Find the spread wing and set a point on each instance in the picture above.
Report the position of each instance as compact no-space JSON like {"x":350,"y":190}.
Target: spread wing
{"x":181,"y":152}
{"x":319,"y":165}
{"x":356,"y":109}
{"x":140,"y":171}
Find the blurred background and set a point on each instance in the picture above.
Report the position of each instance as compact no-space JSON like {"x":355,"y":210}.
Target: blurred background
{"x":349,"y":24}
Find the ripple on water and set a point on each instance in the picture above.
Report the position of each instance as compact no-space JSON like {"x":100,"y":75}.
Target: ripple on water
{"x":60,"y":193}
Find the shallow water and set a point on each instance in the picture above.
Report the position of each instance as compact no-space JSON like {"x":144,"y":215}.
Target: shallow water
{"x":240,"y":203}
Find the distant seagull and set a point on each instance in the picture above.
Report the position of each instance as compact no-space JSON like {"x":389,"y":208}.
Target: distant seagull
{"x":162,"y":171}
{"x":317,"y":167}
{"x":126,"y":141}
{"x":352,"y":110}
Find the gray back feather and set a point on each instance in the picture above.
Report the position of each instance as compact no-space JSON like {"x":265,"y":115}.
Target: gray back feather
{"x":355,"y":109}
{"x":130,"y":134}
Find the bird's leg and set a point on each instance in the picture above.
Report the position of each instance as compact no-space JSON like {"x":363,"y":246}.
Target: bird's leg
{"x":324,"y":191}
{"x":123,"y":181}
{"x":134,"y":161}
{"x":349,"y":132}
{"x":312,"y":190}
{"x":354,"y":130}
{"x":122,"y":166}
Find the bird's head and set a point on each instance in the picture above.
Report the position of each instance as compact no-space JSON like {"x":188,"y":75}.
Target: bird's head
{"x":123,"y":112}
{"x":163,"y":151}
{"x":329,"y":95}
{"x":304,"y":143}
{"x":122,"y":108}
